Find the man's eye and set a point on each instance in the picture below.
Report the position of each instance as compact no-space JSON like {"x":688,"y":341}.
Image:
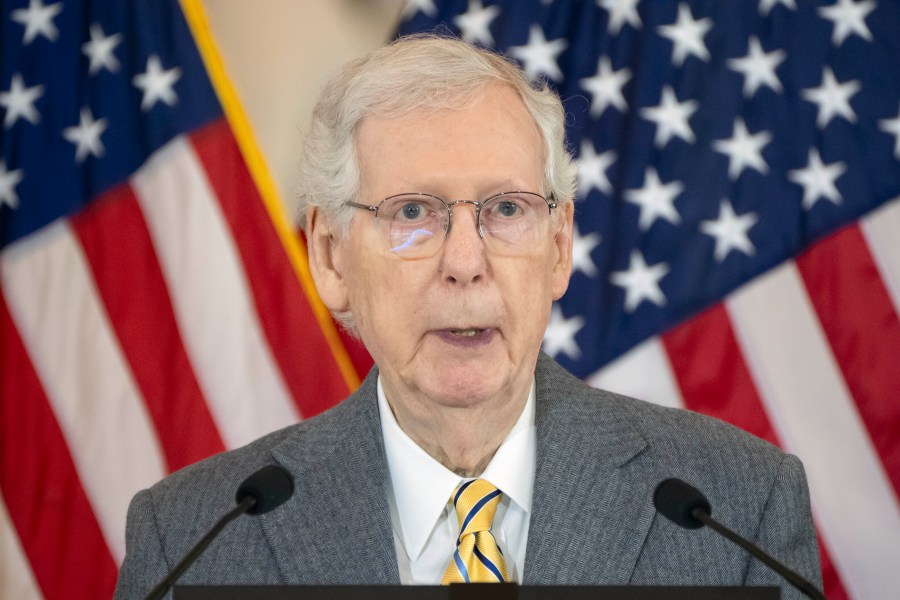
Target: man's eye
{"x":508,"y":209}
{"x":411,"y":211}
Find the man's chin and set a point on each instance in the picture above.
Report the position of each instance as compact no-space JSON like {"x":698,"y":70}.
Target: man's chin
{"x":466,"y":386}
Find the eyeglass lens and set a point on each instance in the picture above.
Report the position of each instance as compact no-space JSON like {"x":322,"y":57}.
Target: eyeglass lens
{"x":415,"y":225}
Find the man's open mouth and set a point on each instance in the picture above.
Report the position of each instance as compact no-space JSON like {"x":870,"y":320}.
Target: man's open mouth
{"x":466,"y":332}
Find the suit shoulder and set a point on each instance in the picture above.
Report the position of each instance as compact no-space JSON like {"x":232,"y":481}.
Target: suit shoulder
{"x":213,"y":481}
{"x":673,"y":435}
{"x":216,"y":476}
{"x":685,"y":431}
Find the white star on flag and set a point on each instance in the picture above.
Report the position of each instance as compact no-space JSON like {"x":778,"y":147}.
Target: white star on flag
{"x":86,"y":136}
{"x":832,"y":98}
{"x":38,"y":20}
{"x":8,"y":182}
{"x":641,"y":282}
{"x":606,"y":87}
{"x":765,"y":6}
{"x":19,"y":102}
{"x":892,"y":126}
{"x":758,"y":68}
{"x":621,"y":12}
{"x":539,"y":56}
{"x":560,"y":334}
{"x":156,"y":83}
{"x":656,"y":199}
{"x":592,"y":169}
{"x":99,"y":50}
{"x":413,"y":6}
{"x":818,"y":180}
{"x":744,"y":150}
{"x":730,"y":231}
{"x":687,"y":35}
{"x":671,"y":117}
{"x":582,"y":246}
{"x":475,"y":23}
{"x":848,"y":17}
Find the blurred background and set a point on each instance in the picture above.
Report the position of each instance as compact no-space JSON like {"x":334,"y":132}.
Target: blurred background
{"x":278,"y":56}
{"x":737,"y":244}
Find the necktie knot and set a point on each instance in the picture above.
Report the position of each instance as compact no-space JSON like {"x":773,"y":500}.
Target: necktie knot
{"x":477,"y":557}
{"x":475,"y":502}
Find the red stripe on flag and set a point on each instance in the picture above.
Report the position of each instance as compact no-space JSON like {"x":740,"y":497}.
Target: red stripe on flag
{"x":863,"y":330}
{"x":714,"y":380}
{"x":126,"y":270}
{"x":712,"y":374}
{"x":831,"y":581}
{"x":297,"y":342}
{"x":47,"y":504}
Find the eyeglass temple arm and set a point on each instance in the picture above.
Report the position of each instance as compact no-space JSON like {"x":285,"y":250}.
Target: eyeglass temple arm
{"x":373,"y":209}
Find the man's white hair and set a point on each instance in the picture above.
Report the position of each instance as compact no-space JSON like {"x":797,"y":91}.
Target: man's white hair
{"x":423,"y":71}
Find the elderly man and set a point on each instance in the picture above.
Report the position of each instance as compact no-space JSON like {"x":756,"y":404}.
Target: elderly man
{"x":438,"y":208}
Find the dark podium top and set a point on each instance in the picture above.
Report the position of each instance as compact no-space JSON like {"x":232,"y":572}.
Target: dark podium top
{"x":471,"y":591}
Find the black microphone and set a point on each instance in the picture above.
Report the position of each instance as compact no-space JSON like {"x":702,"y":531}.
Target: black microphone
{"x":687,"y":507}
{"x":265,"y":490}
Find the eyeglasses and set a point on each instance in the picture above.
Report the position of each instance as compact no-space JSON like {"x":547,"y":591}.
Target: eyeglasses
{"x":415,"y":225}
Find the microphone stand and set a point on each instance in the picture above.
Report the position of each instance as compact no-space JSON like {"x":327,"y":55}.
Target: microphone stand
{"x":247,"y":503}
{"x":791,"y":576}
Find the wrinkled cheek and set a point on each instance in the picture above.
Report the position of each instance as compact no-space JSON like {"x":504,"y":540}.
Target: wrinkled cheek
{"x":365,"y":320}
{"x":383,"y":323}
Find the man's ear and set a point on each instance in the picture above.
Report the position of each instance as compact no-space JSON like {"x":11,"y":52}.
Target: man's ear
{"x":562,"y":269}
{"x":325,"y":261}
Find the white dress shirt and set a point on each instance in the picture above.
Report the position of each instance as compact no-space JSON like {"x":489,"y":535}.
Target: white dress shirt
{"x":424,"y":520}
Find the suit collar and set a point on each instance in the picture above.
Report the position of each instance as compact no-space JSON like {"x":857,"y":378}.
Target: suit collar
{"x":340,"y":478}
{"x":590,"y":513}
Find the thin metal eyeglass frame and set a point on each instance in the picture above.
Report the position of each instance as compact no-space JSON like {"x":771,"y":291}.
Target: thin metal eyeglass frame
{"x":551,"y":204}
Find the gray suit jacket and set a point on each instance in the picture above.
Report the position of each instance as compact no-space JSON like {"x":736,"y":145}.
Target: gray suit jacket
{"x":599,"y":458}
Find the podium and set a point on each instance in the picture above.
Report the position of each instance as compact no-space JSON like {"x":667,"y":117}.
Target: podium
{"x":470,"y":591}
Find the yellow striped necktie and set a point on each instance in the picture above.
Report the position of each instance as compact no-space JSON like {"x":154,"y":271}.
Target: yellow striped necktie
{"x":477,"y":558}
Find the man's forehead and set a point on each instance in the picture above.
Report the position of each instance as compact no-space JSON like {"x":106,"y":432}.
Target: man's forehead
{"x":493,"y":139}
{"x":501,"y":97}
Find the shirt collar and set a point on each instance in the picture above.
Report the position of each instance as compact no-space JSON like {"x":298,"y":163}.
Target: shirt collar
{"x":422,"y":486}
{"x":512,"y":467}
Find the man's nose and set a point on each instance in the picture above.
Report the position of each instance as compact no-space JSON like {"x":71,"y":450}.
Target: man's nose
{"x":463,"y":261}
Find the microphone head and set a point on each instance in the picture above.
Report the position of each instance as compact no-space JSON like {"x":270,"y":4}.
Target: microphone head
{"x":271,"y":486}
{"x":676,"y":501}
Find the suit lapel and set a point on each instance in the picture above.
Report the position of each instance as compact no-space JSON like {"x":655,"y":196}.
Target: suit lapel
{"x":336,"y":528}
{"x":590,"y":512}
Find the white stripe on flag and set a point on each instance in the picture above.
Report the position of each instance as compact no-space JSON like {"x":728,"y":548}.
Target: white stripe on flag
{"x":813,"y":413}
{"x":222,"y":335}
{"x":51,"y":296}
{"x":16,"y":578}
{"x":643,"y":372}
{"x":881,"y":228}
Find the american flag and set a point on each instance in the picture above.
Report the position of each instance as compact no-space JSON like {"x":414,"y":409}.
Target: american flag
{"x":155,"y":305}
{"x":737,"y":249}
